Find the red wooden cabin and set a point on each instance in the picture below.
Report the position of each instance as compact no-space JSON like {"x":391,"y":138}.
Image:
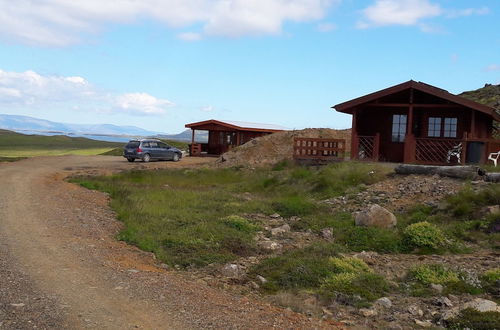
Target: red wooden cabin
{"x":224,"y":135}
{"x":414,"y":122}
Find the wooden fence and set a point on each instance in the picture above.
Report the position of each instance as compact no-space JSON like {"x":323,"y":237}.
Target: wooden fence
{"x":319,"y":149}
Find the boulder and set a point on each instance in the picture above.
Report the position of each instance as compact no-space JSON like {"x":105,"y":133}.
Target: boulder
{"x":269,"y":245}
{"x":280,"y":230}
{"x":375,"y":216}
{"x":327,"y":233}
{"x":438,"y":288}
{"x":232,"y":271}
{"x":479,"y":304}
{"x":384,"y":302}
{"x":261,"y":279}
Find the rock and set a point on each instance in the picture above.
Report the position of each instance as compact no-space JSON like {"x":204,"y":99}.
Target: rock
{"x":232,"y":271}
{"x":327,"y":233}
{"x":482,"y":305}
{"x":18,"y":305}
{"x":367,"y":312}
{"x":438,"y":288}
{"x":479,"y":304}
{"x":384,"y":302}
{"x":275,"y":216}
{"x":415,"y":310}
{"x":423,"y":324}
{"x":261,"y":279}
{"x":492,"y":209}
{"x":443,"y":301}
{"x":254,"y":285}
{"x":280,"y":230}
{"x":269,"y":245}
{"x":375,"y":216}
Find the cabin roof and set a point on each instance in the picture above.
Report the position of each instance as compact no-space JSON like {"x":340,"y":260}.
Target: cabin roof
{"x":239,"y":125}
{"x":348,"y":107}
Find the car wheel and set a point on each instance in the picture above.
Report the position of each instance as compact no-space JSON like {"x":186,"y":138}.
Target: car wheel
{"x":130,"y":159}
{"x":176,"y":157}
{"x":146,"y":158}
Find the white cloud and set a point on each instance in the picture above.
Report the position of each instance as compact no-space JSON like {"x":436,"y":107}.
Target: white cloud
{"x":411,"y":12}
{"x":207,"y":108}
{"x":398,"y":12}
{"x":189,"y":36}
{"x":453,"y":13}
{"x":142,"y":103}
{"x":63,"y":22}
{"x":493,"y":67}
{"x":326,"y":27}
{"x":35,"y":91}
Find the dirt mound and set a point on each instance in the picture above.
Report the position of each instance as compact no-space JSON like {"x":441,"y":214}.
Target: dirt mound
{"x":273,"y":148}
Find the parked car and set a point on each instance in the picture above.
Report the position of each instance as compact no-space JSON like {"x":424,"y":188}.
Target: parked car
{"x":148,"y":149}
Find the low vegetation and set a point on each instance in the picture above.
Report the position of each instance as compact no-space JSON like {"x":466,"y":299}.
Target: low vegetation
{"x":472,"y":319}
{"x":14,"y":145}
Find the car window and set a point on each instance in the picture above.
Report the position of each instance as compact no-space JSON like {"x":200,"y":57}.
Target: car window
{"x":163,"y":145}
{"x":132,"y":144}
{"x":153,"y":144}
{"x":146,"y":145}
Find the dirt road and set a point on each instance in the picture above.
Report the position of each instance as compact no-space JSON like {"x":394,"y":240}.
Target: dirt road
{"x":61,"y":267}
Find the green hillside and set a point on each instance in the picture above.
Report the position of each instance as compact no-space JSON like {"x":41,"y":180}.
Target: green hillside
{"x":489,"y":95}
{"x":19,"y":145}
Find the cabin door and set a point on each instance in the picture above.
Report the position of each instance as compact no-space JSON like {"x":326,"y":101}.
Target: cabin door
{"x":393,"y":145}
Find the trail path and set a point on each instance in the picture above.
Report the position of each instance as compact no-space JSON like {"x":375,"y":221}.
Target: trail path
{"x":61,"y":266}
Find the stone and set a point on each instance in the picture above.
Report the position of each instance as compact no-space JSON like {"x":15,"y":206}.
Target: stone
{"x":415,"y":310}
{"x":423,"y":324}
{"x":232,"y":271}
{"x":438,"y":288}
{"x":367,"y":312}
{"x":479,"y":304}
{"x":275,"y":216}
{"x":327,"y":233}
{"x":280,"y":230}
{"x":482,"y":305}
{"x":384,"y":302}
{"x":261,"y":279}
{"x":443,"y":301}
{"x":375,"y":216}
{"x":492,"y":209}
{"x":269,"y":245}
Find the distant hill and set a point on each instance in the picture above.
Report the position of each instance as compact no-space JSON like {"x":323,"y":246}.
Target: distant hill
{"x":489,"y":95}
{"x":104,"y":132}
{"x":11,"y":140}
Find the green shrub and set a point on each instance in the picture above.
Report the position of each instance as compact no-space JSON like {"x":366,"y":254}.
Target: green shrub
{"x":490,"y":280}
{"x":294,"y":205}
{"x":368,"y":286}
{"x":240,"y":223}
{"x":423,"y":235}
{"x":433,"y":274}
{"x":297,"y":269}
{"x":472,"y":319}
{"x":349,"y":265}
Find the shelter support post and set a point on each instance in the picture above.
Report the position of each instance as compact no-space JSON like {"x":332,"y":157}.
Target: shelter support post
{"x":410,"y":143}
{"x":354,"y":137}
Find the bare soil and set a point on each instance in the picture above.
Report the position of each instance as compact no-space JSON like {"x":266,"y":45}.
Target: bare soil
{"x":61,"y":266}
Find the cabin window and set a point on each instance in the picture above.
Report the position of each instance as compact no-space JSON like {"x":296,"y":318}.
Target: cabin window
{"x":434,"y":127}
{"x":446,"y":127}
{"x":398,"y":128}
{"x":450,"y":127}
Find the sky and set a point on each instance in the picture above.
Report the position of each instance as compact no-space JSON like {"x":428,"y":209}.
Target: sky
{"x":159,"y":64}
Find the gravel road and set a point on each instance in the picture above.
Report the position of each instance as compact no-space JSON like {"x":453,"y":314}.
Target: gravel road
{"x":61,"y":266}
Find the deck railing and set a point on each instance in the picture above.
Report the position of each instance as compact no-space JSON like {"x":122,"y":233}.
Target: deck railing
{"x":319,"y":149}
{"x":367,"y":147}
{"x":439,"y":151}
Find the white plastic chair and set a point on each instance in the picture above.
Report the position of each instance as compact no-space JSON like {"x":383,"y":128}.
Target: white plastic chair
{"x":454,"y":152}
{"x":494,"y":157}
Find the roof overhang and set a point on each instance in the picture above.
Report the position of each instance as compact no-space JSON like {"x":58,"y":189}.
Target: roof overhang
{"x":349,"y":106}
{"x":237,"y":126}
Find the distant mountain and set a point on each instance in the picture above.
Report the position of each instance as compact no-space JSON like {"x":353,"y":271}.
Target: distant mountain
{"x":30,"y":124}
{"x":201,"y":136}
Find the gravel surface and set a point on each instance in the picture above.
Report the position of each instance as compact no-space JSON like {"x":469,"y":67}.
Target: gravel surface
{"x":61,"y":266}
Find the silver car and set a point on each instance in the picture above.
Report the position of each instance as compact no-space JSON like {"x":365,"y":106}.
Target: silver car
{"x":148,"y":149}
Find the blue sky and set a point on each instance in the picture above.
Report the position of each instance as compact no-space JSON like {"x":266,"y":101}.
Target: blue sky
{"x":159,"y":64}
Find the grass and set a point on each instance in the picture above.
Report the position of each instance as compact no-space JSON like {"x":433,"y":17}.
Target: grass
{"x":14,"y":145}
{"x":10,"y":159}
{"x":182,"y":215}
{"x":472,"y":319}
